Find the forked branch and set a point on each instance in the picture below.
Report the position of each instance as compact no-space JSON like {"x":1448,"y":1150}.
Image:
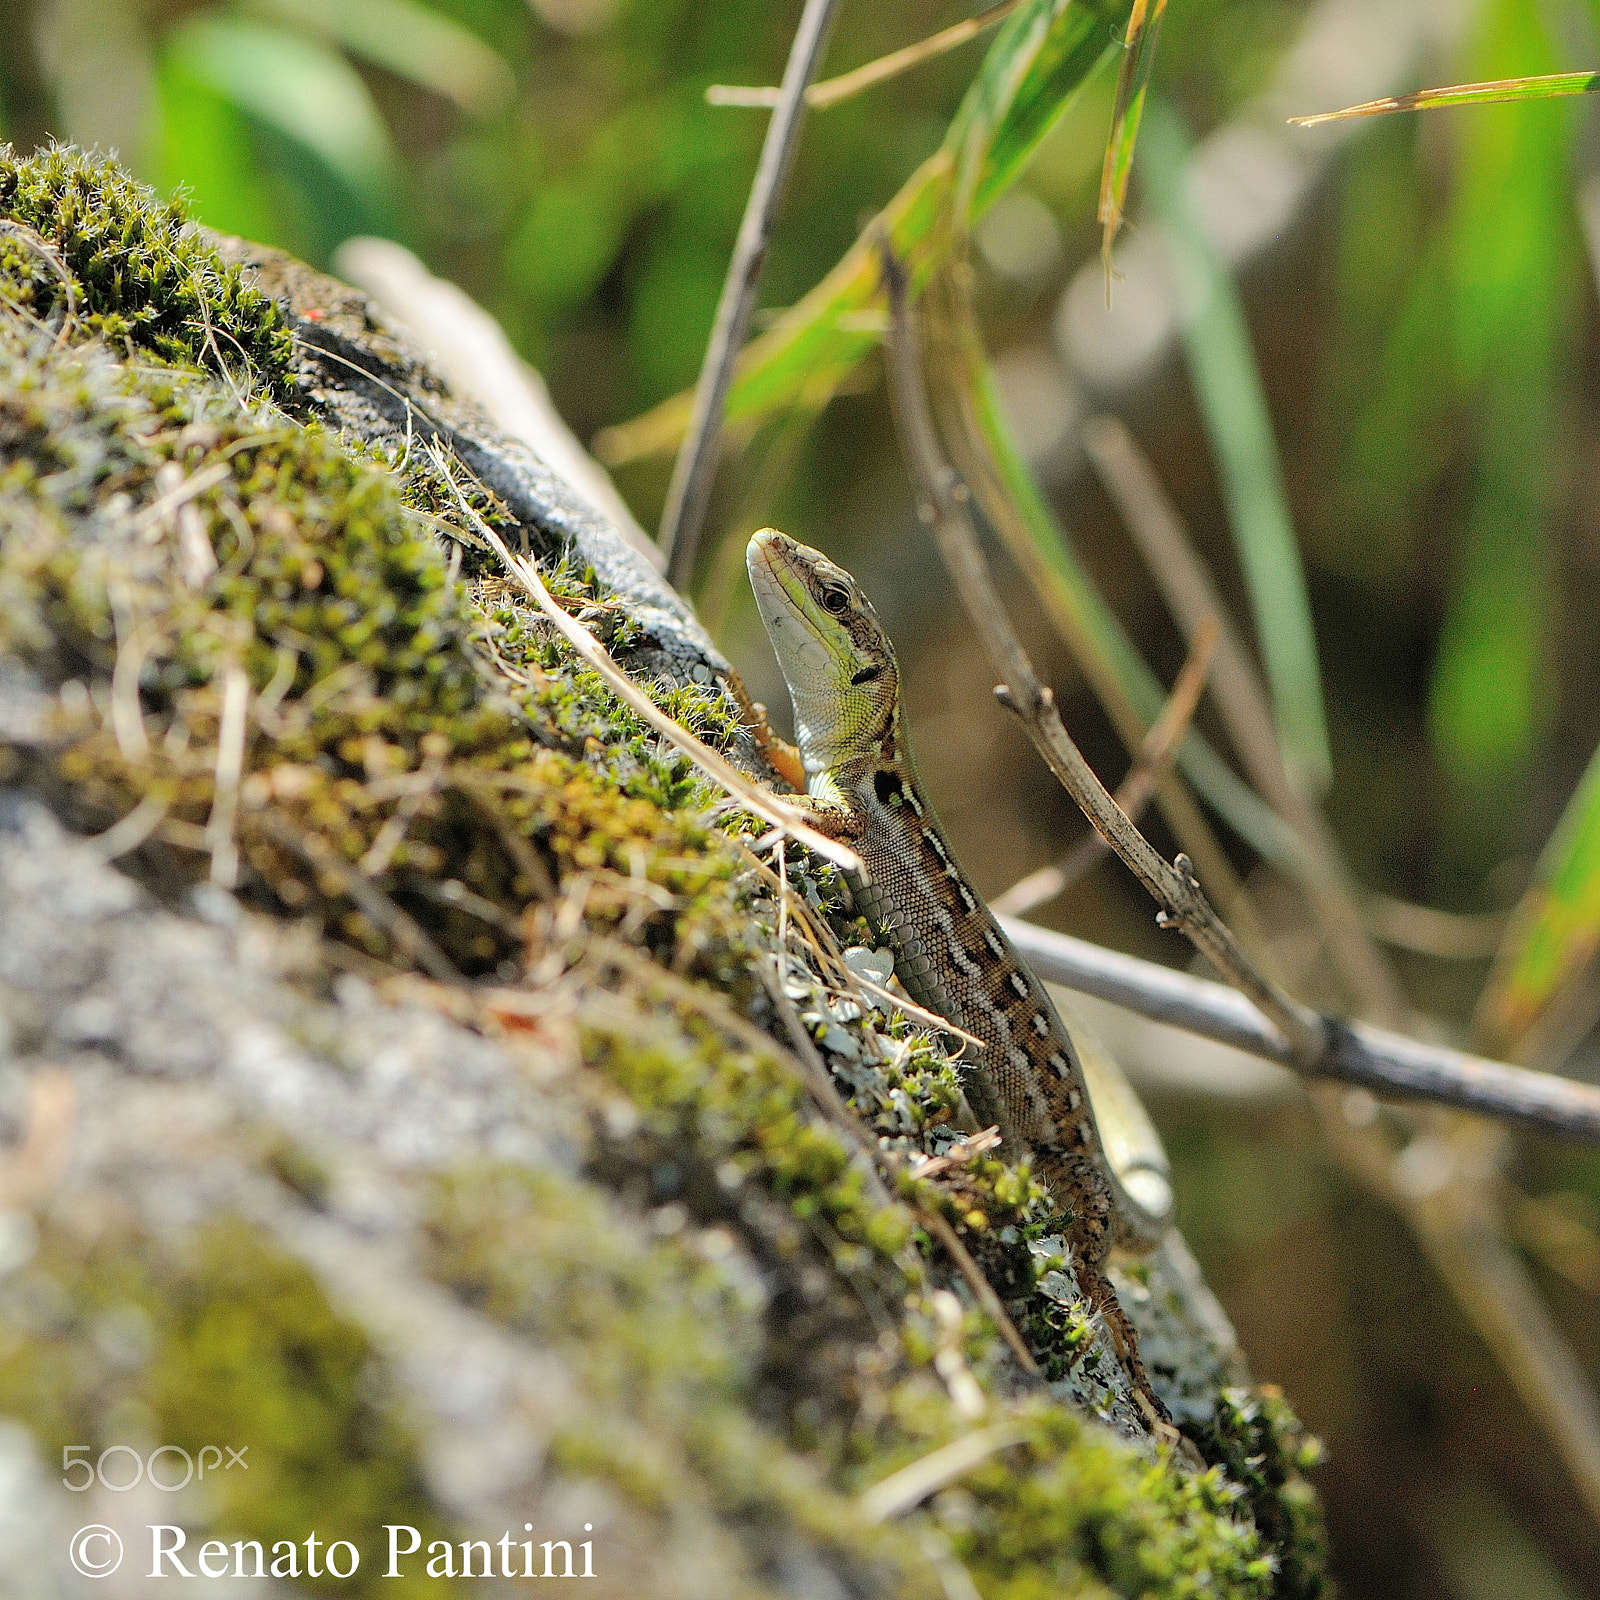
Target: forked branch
{"x":943,"y":506}
{"x":1371,"y":1058}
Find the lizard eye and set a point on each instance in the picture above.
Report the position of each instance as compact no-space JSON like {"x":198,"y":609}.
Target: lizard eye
{"x":836,"y":599}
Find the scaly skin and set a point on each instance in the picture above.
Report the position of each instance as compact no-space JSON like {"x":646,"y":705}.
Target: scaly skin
{"x":949,"y":951}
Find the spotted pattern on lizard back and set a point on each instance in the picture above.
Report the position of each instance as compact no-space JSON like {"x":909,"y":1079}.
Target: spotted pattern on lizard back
{"x":950,"y":953}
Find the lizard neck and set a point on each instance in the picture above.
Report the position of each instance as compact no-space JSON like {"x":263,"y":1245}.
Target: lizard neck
{"x":857,"y":780}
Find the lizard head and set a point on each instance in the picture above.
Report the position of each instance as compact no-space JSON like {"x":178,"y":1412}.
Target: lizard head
{"x":836,"y":658}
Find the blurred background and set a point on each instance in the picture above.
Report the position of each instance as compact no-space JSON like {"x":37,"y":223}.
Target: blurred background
{"x":1419,"y":305}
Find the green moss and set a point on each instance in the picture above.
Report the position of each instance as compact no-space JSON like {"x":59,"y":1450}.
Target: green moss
{"x":668,"y":1343}
{"x":142,"y":278}
{"x":1063,"y":1514}
{"x":371,"y":692}
{"x":432,"y":733}
{"x":115,"y":1343}
{"x":661,"y":1338}
{"x":1257,"y":1439}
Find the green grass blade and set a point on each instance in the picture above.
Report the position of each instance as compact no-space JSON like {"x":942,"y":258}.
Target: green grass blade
{"x":1227,"y":386}
{"x":1115,"y":669}
{"x":409,"y":40}
{"x":304,"y":90}
{"x":1514,"y":283}
{"x":1555,"y":931}
{"x":1544,"y":86}
{"x":203,"y":144}
{"x":1139,"y":57}
{"x":1039,"y":60}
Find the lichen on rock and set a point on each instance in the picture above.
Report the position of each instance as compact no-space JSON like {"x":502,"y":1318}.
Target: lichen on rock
{"x":396,"y":1072}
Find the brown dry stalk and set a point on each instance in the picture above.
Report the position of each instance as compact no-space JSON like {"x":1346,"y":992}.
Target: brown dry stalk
{"x":1241,"y":700}
{"x":831,"y":91}
{"x":1135,"y":791}
{"x":1173,"y":884}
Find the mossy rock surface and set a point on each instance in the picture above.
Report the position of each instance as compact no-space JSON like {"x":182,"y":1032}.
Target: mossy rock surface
{"x":395,"y":1077}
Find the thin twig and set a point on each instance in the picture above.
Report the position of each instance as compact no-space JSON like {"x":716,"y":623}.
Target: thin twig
{"x":848,"y":84}
{"x":230,"y":765}
{"x":1173,"y":885}
{"x":960,"y":389}
{"x":937,"y":1470}
{"x":939,"y":1227}
{"x":716,"y":767}
{"x":1135,"y":791}
{"x":690,"y":488}
{"x":1374,"y":1058}
{"x":1241,"y":700}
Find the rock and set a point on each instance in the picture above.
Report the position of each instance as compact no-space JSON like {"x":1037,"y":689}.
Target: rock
{"x":400,"y":1132}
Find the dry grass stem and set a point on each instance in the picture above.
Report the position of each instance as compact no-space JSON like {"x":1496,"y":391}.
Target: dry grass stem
{"x":939,"y":1226}
{"x":398,"y":823}
{"x":127,"y":712}
{"x":1173,"y":885}
{"x":467,"y":781}
{"x":230,"y":767}
{"x":849,"y":84}
{"x":1446,"y":935}
{"x":961,"y":1152}
{"x":1241,"y":700}
{"x":402,"y":928}
{"x":131,"y":831}
{"x":929,"y":1019}
{"x":185,"y":490}
{"x":1463,"y":1239}
{"x":689,"y":491}
{"x":1545,"y":1228}
{"x":1542,"y":86}
{"x":720,"y":770}
{"x":911,"y":1485}
{"x":1135,"y":791}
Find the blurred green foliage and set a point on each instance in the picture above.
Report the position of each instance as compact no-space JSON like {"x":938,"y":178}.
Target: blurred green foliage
{"x":1424,"y":348}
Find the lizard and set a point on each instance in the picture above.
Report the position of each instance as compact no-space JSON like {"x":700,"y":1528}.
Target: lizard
{"x":950,"y":954}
